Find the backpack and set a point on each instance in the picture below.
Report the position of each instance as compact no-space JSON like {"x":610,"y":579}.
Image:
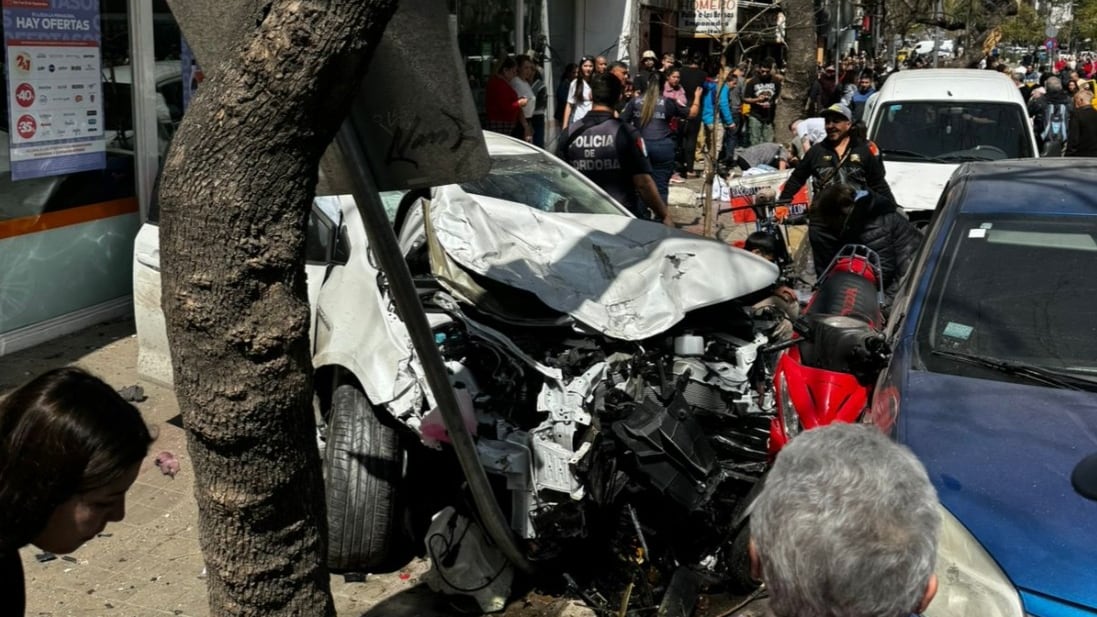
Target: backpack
{"x":1056,"y":123}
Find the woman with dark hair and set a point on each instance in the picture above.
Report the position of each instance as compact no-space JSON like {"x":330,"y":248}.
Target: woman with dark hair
{"x":70,"y":448}
{"x":579,"y":94}
{"x":502,"y":103}
{"x":652,"y":114}
{"x":566,"y":78}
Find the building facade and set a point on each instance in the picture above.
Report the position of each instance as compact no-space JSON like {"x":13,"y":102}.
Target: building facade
{"x":66,"y":233}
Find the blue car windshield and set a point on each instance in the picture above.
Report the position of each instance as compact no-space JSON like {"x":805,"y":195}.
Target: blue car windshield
{"x":953,"y":131}
{"x":1017,"y":289}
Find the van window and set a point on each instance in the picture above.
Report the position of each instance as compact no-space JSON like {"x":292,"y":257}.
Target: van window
{"x":952,"y":132}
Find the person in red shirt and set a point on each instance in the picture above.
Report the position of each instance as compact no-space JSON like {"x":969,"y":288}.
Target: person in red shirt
{"x":503,"y":105}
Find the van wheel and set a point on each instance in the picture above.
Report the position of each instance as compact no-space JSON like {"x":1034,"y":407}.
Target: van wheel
{"x":363,"y":462}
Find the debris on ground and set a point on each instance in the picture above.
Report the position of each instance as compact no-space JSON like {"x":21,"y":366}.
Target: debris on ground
{"x":44,"y":557}
{"x":167,"y":463}
{"x":133,"y":394}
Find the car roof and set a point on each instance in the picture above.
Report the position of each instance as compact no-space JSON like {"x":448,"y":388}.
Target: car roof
{"x":1028,"y":186}
{"x":949,"y":84}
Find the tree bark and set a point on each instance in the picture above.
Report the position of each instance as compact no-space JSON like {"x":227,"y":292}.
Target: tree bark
{"x":800,"y":71}
{"x":235,"y":196}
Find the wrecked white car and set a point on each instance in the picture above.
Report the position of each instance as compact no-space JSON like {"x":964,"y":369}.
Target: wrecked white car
{"x":603,"y":363}
{"x":608,"y":368}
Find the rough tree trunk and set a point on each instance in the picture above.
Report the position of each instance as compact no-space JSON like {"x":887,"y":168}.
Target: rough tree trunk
{"x":800,"y":71}
{"x":235,"y":196}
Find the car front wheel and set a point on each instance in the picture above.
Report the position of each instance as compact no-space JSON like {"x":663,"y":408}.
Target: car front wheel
{"x":363,"y":462}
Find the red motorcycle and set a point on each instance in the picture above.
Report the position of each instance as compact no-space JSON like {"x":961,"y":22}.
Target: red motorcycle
{"x":826,"y":372}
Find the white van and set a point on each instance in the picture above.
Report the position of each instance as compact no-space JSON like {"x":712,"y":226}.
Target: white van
{"x":927,"y":122}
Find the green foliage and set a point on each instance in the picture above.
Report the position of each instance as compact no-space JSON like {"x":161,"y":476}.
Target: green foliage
{"x":1085,"y":22}
{"x":1026,"y":27}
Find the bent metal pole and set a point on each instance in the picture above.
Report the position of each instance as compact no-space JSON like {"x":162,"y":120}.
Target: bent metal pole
{"x":385,"y":247}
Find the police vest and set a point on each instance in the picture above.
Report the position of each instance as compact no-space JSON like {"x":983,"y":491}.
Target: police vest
{"x":593,"y":147}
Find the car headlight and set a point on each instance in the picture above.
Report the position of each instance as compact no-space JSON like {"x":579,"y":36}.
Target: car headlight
{"x":969,"y":582}
{"x":789,"y":417}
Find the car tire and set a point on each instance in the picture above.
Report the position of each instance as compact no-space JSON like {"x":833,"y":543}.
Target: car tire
{"x":739,"y":579}
{"x":363,"y":461}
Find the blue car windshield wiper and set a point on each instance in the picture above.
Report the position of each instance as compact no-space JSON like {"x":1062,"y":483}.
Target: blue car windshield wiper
{"x":1038,"y":374}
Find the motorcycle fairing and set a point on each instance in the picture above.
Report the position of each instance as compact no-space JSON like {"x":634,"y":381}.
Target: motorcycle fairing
{"x":814,"y":391}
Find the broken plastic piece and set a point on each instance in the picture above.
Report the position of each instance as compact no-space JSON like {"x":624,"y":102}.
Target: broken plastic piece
{"x":464,"y":562}
{"x":44,"y":557}
{"x":434,"y":431}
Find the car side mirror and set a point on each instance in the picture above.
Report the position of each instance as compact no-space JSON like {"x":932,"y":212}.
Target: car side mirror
{"x":326,"y":240}
{"x":340,"y":253}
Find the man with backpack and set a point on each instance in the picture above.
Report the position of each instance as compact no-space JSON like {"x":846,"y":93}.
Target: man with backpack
{"x":611,"y":152}
{"x":1052,"y":116}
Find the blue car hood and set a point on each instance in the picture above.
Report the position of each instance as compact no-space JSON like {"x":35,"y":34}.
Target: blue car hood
{"x":1001,"y":455}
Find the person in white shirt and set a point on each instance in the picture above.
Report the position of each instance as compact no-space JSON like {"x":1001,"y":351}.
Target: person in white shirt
{"x":579,"y":95}
{"x":521,"y":84}
{"x":809,"y":131}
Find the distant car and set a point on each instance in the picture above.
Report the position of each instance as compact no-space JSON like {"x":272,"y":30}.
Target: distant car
{"x":928,"y":121}
{"x":993,"y":385}
{"x":945,"y":48}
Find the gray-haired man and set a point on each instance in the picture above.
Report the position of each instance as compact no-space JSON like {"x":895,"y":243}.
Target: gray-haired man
{"x":846,"y":525}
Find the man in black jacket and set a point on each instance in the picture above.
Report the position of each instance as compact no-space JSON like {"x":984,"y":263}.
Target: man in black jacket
{"x":842,"y":157}
{"x":842,"y":214}
{"x":1082,"y":134}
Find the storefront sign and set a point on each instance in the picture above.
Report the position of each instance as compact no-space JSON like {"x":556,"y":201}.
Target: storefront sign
{"x":54,"y":89}
{"x":703,"y":18}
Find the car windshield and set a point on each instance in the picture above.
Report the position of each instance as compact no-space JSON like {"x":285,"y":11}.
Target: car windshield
{"x":1017,"y":291}
{"x":952,"y":132}
{"x":542,"y":182}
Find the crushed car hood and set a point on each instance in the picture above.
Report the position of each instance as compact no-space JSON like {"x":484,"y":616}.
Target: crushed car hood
{"x":1001,"y":456}
{"x":918,"y":186}
{"x":626,"y":278}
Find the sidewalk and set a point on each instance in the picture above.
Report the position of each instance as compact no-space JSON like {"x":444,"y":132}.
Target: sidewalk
{"x":150,"y":564}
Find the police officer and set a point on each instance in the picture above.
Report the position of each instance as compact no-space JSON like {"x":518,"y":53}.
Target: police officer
{"x":841,"y":157}
{"x":611,"y":153}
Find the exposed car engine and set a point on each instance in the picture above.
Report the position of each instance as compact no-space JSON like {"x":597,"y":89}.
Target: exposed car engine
{"x":621,"y":461}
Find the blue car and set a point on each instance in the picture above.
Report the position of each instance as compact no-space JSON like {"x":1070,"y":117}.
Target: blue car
{"x":993,"y":385}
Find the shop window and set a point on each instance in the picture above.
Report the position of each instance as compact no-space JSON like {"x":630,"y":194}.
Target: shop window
{"x":33,"y":197}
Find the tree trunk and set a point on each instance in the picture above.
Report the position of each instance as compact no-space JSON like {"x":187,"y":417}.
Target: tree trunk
{"x":801,"y":68}
{"x":235,"y":196}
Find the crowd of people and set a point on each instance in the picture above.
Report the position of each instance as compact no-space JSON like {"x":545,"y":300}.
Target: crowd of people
{"x":1060,"y":101}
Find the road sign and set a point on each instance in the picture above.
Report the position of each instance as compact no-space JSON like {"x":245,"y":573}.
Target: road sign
{"x":1051,"y":32}
{"x":1051,"y":44}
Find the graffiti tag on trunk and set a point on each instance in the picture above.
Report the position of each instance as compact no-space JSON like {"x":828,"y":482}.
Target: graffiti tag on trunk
{"x":411,"y":138}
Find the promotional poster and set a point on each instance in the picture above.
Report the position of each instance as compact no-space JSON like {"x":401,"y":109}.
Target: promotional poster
{"x":54,"y":87}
